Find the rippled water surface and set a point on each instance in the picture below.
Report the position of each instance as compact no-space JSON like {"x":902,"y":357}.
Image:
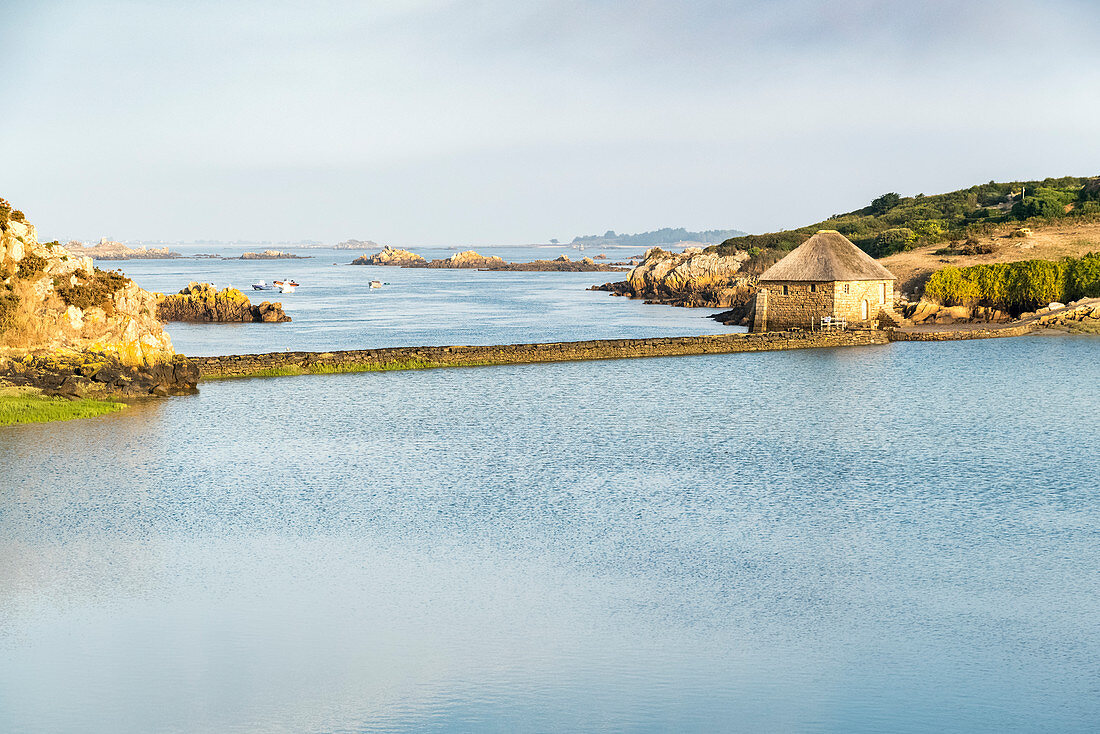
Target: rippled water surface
{"x":899,"y":538}
{"x":335,"y":307}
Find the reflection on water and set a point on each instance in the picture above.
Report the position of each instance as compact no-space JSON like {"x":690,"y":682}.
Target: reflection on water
{"x":829,"y":540}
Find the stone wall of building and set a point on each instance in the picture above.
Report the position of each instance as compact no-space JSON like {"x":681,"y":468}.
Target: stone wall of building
{"x":879,"y":294}
{"x":794,"y":305}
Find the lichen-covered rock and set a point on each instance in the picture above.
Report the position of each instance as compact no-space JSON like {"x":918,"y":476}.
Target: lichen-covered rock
{"x":51,"y":299}
{"x":204,"y":303}
{"x":689,"y":278}
{"x":469,"y":259}
{"x":391,"y":256}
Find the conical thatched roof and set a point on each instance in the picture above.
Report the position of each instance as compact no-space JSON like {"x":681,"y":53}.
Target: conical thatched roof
{"x":825,"y":257}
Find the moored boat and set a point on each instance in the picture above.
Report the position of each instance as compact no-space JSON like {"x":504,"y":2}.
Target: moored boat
{"x":285,"y":286}
{"x":261,"y":285}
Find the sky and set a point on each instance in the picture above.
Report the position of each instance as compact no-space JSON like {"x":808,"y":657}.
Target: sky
{"x":442,"y":122}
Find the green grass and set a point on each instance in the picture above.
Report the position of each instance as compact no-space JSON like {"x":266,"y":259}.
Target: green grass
{"x":337,"y":369}
{"x":27,"y":406}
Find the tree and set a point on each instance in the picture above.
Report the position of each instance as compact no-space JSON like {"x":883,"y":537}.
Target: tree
{"x":553,"y":242}
{"x":885,"y":203}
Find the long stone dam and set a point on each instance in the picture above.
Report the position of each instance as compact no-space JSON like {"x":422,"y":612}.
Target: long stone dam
{"x":395,"y":358}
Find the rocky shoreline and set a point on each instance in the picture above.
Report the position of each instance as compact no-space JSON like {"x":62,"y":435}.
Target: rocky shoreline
{"x":692,"y":278}
{"x":90,"y":375}
{"x":270,"y":255}
{"x":470,"y":260}
{"x":201,"y":302}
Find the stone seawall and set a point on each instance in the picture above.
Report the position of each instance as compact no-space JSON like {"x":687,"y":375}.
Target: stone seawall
{"x":913,"y":335}
{"x":274,"y":363}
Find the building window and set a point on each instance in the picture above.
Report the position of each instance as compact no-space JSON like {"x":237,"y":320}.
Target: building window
{"x":813,"y":288}
{"x":884,"y":293}
{"x":845,"y":287}
{"x":784,"y":290}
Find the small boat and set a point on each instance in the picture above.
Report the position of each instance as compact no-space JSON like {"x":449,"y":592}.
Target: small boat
{"x":376,"y":284}
{"x":285,"y":286}
{"x":261,"y":285}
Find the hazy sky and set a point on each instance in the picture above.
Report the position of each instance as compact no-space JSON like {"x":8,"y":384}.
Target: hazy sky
{"x":453,"y":122}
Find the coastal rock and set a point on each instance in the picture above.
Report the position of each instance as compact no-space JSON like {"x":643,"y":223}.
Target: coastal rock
{"x":469,"y":260}
{"x":690,"y":278}
{"x":112,"y":250}
{"x":52,"y":299}
{"x":272,"y":255}
{"x":926,"y":311}
{"x":202,"y":302}
{"x":92,"y":375}
{"x":391,"y":256}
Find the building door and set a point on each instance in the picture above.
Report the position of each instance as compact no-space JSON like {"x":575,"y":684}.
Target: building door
{"x":863,"y":309}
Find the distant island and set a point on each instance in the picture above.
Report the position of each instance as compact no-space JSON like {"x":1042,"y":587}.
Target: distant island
{"x":356,"y":245}
{"x":272,"y":255}
{"x":471,"y":260}
{"x":658,"y":237}
{"x":112,"y":250}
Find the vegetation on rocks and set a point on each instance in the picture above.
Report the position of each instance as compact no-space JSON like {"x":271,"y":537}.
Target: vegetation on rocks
{"x":95,"y":291}
{"x":52,"y":300}
{"x":893,"y":223}
{"x":1018,"y":286}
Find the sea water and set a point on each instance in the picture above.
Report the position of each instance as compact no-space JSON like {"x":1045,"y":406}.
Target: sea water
{"x":899,"y":538}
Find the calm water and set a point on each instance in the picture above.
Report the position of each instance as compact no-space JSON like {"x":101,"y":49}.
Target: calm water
{"x":335,"y":308}
{"x":904,"y":538}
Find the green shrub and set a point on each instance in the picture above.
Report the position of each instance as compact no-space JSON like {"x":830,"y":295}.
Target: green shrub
{"x":885,"y":203}
{"x":1018,"y":286}
{"x":898,"y":239}
{"x":9,"y":304}
{"x":98,"y":290}
{"x":32,"y":265}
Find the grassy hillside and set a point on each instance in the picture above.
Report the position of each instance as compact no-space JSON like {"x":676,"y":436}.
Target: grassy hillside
{"x":893,"y":223}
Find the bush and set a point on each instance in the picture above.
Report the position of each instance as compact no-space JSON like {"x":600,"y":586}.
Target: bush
{"x":951,"y":288}
{"x":885,"y":203}
{"x":894,"y":240}
{"x":1018,"y":286}
{"x":98,"y":290}
{"x":9,"y":304}
{"x":31,"y":265}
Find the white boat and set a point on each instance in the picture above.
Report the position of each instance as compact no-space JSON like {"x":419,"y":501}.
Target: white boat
{"x":285,"y":286}
{"x":261,"y":285}
{"x":376,"y":284}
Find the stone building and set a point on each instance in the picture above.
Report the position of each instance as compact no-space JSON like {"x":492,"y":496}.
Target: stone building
{"x":825,"y":276}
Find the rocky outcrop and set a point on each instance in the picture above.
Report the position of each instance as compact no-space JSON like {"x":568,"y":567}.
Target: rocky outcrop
{"x":560,"y":264}
{"x":272,"y":255}
{"x":391,"y":256}
{"x":52,"y":299}
{"x":70,"y":328}
{"x":92,"y":375}
{"x":926,"y":311}
{"x":202,"y":302}
{"x":111,"y":250}
{"x":690,"y":278}
{"x":469,"y":260}
{"x":1083,"y":315}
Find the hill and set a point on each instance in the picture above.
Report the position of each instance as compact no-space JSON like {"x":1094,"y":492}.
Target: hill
{"x":891,"y":223}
